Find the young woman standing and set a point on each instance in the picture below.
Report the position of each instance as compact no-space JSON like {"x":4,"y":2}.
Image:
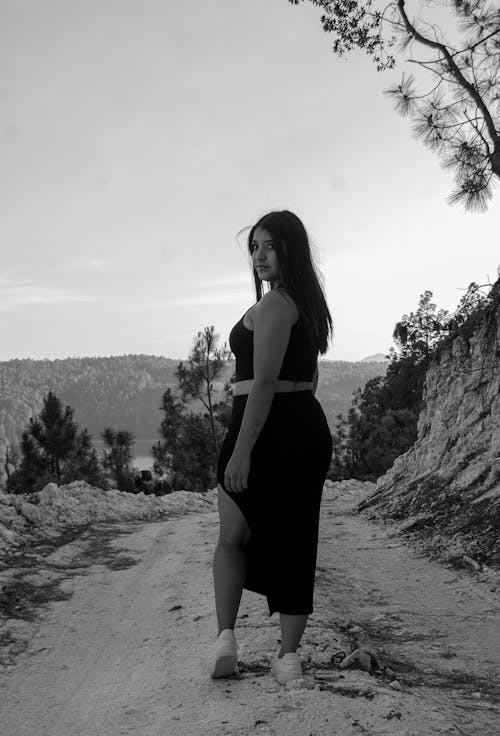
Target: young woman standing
{"x":277,"y":450}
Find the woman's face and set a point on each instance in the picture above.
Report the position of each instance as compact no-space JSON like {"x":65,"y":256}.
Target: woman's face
{"x":264,"y":256}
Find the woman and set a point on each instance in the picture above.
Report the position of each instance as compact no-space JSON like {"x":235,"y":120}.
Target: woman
{"x":277,"y":450}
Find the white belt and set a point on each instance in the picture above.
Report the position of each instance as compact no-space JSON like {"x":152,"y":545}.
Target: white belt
{"x":281,"y":386}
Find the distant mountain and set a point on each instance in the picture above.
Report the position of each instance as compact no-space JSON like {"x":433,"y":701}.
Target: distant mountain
{"x":124,"y":392}
{"x":377,"y":358}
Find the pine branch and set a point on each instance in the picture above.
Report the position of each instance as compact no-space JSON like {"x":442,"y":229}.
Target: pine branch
{"x":456,"y":72}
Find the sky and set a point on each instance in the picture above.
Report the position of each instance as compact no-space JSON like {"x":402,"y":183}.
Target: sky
{"x":139,"y":137}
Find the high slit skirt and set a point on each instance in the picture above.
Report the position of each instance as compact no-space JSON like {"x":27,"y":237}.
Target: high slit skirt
{"x":281,"y":504}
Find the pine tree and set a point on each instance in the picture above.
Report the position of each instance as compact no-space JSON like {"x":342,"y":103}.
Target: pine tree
{"x":188,"y":451}
{"x":117,"y":460}
{"x":383,"y":417}
{"x":197,"y":378}
{"x":457,"y":113}
{"x":54,"y":449}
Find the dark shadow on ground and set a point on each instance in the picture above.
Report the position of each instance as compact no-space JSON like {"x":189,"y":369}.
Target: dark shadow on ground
{"x":36,"y":575}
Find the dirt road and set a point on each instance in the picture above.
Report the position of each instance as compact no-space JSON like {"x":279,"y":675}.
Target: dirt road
{"x":112,"y":632}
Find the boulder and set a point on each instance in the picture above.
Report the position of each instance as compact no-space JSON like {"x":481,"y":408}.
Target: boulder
{"x":31,"y":512}
{"x":50,"y":493}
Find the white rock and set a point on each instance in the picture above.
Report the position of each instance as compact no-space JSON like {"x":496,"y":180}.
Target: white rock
{"x":7,"y":535}
{"x":17,"y":502}
{"x":7,"y":515}
{"x":50,"y":493}
{"x":31,"y":512}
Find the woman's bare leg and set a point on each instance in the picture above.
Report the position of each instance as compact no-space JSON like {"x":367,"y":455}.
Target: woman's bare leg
{"x":292,"y":628}
{"x":229,"y":569}
{"x":230,"y":562}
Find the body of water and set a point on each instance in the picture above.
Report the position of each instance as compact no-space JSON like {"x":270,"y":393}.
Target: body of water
{"x":141,"y":452}
{"x":143,"y":462}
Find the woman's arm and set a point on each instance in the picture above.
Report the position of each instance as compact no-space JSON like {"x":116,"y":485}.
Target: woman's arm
{"x":272,"y":326}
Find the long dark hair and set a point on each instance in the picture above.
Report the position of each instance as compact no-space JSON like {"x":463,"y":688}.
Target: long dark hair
{"x":298,"y":274}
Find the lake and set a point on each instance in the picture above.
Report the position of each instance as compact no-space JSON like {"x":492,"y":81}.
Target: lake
{"x":141,"y":452}
{"x":143,"y":462}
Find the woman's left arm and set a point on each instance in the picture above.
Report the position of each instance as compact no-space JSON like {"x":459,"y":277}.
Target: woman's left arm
{"x":272,"y":326}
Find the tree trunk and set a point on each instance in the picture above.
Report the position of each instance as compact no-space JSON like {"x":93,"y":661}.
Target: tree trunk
{"x":209,"y":392}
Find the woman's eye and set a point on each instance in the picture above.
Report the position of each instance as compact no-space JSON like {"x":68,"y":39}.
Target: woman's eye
{"x":255,"y":247}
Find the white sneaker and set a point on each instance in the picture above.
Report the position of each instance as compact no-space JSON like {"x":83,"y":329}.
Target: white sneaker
{"x":287,"y":667}
{"x":225,"y":661}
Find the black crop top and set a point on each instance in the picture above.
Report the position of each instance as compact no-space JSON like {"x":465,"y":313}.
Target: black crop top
{"x":299,"y":361}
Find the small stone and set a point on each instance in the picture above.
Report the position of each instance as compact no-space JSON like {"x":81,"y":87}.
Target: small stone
{"x":396,"y":685}
{"x":476,"y":695}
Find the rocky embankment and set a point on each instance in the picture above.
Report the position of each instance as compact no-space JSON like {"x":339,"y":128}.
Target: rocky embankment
{"x":46,"y":515}
{"x":445,"y":490}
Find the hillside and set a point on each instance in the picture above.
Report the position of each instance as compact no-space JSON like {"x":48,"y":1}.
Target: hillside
{"x":337,"y":379}
{"x":446,"y":488}
{"x":124,"y":392}
{"x":121,"y":391}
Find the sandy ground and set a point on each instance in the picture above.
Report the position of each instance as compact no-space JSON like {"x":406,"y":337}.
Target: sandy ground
{"x":111,"y":633}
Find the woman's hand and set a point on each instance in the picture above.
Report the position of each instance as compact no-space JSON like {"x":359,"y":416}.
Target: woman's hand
{"x":236,"y":473}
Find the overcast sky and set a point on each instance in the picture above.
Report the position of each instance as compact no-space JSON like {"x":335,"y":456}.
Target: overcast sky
{"x":138,"y":137}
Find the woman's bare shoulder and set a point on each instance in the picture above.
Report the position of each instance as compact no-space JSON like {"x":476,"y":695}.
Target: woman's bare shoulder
{"x":277,"y":299}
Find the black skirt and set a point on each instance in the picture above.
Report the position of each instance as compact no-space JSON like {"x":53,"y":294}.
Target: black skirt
{"x":288,"y":467}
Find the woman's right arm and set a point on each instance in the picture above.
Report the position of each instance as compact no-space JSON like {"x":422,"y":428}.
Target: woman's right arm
{"x":272,"y":327}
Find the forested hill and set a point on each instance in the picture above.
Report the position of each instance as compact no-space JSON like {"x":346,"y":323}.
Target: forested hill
{"x":124,"y":392}
{"x":337,"y":379}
